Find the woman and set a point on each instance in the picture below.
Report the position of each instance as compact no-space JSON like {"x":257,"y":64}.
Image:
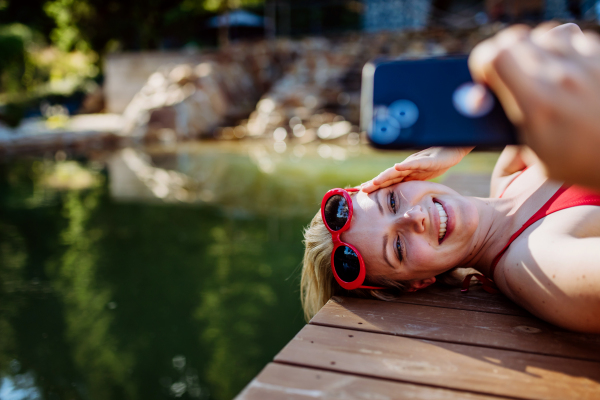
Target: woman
{"x":538,"y":241}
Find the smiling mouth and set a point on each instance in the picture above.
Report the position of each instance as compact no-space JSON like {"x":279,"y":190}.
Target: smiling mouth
{"x":443,"y":220}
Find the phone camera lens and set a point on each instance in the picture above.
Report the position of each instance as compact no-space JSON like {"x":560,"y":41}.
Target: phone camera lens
{"x":385,"y":127}
{"x":405,"y":111}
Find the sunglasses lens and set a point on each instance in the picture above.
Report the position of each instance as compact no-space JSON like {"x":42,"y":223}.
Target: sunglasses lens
{"x":346,"y":264}
{"x":336,"y":212}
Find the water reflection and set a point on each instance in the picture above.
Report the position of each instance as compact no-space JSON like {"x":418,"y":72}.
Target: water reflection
{"x":158,"y":273}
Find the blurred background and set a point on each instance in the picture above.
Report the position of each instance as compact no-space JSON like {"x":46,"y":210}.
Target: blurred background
{"x":159,"y":160}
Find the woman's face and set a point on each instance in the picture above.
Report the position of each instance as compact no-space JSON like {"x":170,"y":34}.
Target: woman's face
{"x":397,"y":230}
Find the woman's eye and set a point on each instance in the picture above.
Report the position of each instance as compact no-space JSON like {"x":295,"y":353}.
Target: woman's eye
{"x":393,"y":202}
{"x":399,"y":248}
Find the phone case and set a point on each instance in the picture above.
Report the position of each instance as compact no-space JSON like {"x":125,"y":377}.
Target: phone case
{"x":418,"y":103}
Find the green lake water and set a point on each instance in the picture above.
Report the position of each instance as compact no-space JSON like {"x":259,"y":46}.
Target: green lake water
{"x":167,"y":272}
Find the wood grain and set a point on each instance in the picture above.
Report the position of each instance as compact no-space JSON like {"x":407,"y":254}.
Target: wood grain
{"x":278,"y":381}
{"x":460,"y":367}
{"x":528,"y":334}
{"x":476,"y":299}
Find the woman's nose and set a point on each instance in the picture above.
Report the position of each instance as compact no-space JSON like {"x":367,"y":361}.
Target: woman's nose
{"x":416,"y":217}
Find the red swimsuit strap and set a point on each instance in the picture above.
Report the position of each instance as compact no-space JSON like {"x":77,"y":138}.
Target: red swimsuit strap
{"x":565,"y":197}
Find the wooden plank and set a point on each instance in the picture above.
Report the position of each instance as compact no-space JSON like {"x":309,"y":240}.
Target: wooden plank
{"x":278,"y":381}
{"x":476,"y":299}
{"x":528,"y":334}
{"x":454,"y":366}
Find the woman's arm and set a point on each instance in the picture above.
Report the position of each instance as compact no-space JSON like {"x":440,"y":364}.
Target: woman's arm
{"x":512,"y":160}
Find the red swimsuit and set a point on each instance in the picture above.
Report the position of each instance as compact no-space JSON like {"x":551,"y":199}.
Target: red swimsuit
{"x":565,"y":197}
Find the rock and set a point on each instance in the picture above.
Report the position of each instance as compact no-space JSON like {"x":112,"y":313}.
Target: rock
{"x":193,"y":100}
{"x":313,"y":81}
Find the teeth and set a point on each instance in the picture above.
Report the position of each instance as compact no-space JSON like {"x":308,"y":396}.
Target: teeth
{"x":443,"y":219}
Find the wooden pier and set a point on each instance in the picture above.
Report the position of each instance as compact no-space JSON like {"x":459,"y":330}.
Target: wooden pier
{"x":435,"y":344}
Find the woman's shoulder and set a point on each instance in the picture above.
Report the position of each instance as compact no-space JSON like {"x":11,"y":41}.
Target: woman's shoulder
{"x":551,"y":239}
{"x":552,"y":269}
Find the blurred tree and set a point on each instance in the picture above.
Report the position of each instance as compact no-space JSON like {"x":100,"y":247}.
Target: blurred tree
{"x":108,"y":25}
{"x":104,"y":25}
{"x":16,"y":65}
{"x":86,"y":298}
{"x":29,"y":230}
{"x":67,"y":14}
{"x":30,"y":13}
{"x":12,"y":259}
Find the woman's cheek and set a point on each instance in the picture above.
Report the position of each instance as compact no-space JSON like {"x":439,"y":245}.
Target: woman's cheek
{"x":423,"y":254}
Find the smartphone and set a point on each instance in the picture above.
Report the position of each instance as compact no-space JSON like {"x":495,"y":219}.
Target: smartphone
{"x":418,"y":103}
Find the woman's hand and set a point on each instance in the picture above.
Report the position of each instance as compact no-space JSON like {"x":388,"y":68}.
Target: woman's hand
{"x":426,"y":164}
{"x":548,"y":82}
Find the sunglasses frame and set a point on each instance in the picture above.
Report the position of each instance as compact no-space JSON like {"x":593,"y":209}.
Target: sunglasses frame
{"x":337,"y":242}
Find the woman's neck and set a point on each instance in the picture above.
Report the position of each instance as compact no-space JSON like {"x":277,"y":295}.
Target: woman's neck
{"x":500,"y":218}
{"x":496,"y":223}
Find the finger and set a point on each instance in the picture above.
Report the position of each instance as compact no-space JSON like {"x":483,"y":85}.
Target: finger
{"x":587,"y":45}
{"x":410,"y":164}
{"x":389,"y":175}
{"x":558,"y":40}
{"x":484,"y":54}
{"x":553,"y":29}
{"x":390,"y":182}
{"x":423,"y":163}
{"x":545,"y":27}
{"x":382,"y":176}
{"x":368,"y":188}
{"x":517,"y":79}
{"x":509,"y":66}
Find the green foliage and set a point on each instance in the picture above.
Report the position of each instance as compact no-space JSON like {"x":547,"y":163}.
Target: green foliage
{"x":87,"y":318}
{"x":68,"y":15}
{"x":108,"y":25}
{"x":16,"y":66}
{"x":12,"y":259}
{"x":63,"y":72}
{"x":219,"y":5}
{"x":30,"y":71}
{"x":103,"y":25}
{"x":234,"y":285}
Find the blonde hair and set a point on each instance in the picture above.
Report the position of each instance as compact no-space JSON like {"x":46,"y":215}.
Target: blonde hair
{"x":317,"y":283}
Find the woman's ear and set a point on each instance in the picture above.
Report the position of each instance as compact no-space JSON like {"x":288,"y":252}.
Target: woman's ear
{"x":420,"y":284}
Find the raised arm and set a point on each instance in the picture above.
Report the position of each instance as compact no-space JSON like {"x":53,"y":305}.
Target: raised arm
{"x":512,"y":160}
